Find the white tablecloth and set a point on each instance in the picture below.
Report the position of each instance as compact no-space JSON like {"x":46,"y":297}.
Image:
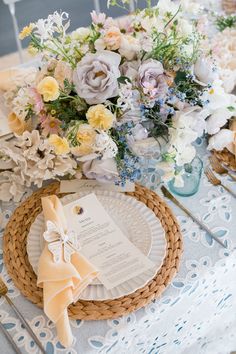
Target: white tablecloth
{"x":196,"y":314}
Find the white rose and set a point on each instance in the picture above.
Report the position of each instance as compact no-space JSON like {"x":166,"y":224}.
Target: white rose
{"x":102,"y":170}
{"x":99,"y":44}
{"x":203,"y":69}
{"x":217,"y":96}
{"x":80,"y":33}
{"x":217,"y":120}
{"x":229,"y":79}
{"x":105,"y":146}
{"x":130,"y":69}
{"x":222,"y":139}
{"x":129,"y":46}
{"x":139,"y":132}
{"x":186,"y":155}
{"x":198,"y":119}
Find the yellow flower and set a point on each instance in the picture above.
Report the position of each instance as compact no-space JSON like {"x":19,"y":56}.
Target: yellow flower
{"x":61,"y":145}
{"x":16,"y":124}
{"x":49,"y":88}
{"x":32,"y":50}
{"x":82,"y":150}
{"x":26,"y":31}
{"x":99,"y":117}
{"x":86,"y":134}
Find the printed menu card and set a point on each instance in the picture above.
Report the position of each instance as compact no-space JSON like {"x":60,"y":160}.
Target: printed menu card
{"x":103,"y":243}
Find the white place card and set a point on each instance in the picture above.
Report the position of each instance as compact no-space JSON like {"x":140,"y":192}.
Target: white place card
{"x":73,"y":186}
{"x":103,"y":243}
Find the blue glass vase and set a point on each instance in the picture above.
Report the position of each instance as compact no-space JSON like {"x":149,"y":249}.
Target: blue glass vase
{"x":191,"y":179}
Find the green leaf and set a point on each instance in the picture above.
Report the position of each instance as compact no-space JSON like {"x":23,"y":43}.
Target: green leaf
{"x":123,"y":79}
{"x":180,"y":76}
{"x":231,"y":108}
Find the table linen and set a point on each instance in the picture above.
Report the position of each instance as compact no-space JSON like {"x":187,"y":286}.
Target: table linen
{"x":196,"y":314}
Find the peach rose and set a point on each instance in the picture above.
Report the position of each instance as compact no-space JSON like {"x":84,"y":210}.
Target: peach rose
{"x":86,"y":134}
{"x":63,"y":72}
{"x":16,"y":124}
{"x":112,"y":38}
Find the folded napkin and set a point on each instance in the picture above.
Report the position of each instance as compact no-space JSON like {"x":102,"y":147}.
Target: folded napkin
{"x":63,"y":272}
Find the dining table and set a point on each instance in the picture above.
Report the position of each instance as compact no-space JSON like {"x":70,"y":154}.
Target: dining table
{"x":195,"y":314}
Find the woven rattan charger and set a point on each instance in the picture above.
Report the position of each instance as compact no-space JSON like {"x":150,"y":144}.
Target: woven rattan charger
{"x":226,"y":158}
{"x":16,"y":259}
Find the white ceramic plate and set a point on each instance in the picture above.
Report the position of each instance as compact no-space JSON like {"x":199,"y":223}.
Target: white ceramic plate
{"x":137,"y":222}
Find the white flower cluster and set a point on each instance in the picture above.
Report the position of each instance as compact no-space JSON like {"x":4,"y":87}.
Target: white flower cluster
{"x":33,"y":162}
{"x":57,"y":22}
{"x":118,"y":90}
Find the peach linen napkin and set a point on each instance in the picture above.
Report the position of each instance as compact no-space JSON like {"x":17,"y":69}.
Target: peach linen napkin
{"x":63,"y":275}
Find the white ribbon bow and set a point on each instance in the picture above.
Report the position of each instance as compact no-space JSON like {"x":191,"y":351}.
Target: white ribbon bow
{"x":59,"y":239}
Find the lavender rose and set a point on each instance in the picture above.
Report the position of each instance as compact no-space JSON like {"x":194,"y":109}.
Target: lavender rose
{"x":152,"y":78}
{"x":95,"y":76}
{"x":101,"y":170}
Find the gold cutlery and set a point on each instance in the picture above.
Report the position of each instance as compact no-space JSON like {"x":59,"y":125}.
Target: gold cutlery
{"x":10,"y":339}
{"x":217,"y":182}
{"x":3,"y":292}
{"x":170,"y":196}
{"x":218,"y":168}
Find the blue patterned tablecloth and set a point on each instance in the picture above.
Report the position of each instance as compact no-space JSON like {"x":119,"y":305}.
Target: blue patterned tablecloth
{"x":196,"y":314}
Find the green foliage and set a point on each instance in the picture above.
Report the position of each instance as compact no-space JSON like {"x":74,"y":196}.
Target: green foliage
{"x":123,"y":79}
{"x":187,"y":88}
{"x":169,"y":157}
{"x":122,"y":4}
{"x":72,"y":131}
{"x":93,"y":37}
{"x":160,"y":128}
{"x":120,"y":140}
{"x":169,"y":48}
{"x":231,"y":108}
{"x":223,"y":22}
{"x":68,"y":108}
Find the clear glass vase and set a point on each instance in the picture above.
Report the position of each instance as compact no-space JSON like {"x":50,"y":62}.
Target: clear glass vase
{"x":191,"y":179}
{"x":150,"y":176}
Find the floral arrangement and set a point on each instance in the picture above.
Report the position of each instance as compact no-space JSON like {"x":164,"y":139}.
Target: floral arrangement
{"x":104,"y":94}
{"x":221,"y":125}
